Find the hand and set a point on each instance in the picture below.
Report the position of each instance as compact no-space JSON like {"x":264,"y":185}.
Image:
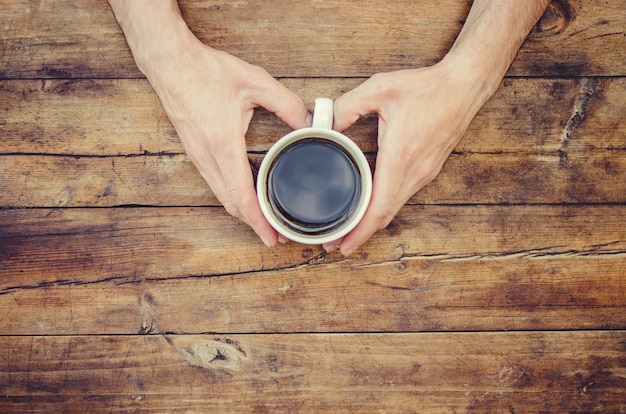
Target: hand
{"x":210,"y":97}
{"x":422,"y":115}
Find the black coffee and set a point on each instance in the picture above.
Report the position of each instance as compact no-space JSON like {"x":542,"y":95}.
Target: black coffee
{"x":314,"y":185}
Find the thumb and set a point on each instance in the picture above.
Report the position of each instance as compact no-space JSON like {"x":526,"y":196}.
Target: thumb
{"x":362,"y":100}
{"x":287,"y":106}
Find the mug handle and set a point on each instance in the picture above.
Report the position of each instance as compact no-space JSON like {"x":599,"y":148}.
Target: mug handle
{"x":323,"y":113}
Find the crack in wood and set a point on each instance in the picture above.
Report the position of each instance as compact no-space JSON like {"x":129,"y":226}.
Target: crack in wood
{"x":599,"y":250}
{"x":148,"y":312}
{"x":394,"y":287}
{"x":539,"y":253}
{"x":64,"y":282}
{"x":77,"y":156}
{"x":134,"y":279}
{"x":588,"y":87}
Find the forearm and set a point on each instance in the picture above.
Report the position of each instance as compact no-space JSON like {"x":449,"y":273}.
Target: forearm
{"x":154,"y":30}
{"x":491,"y":37}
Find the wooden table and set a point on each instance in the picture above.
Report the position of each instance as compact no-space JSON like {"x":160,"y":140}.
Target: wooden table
{"x":125,"y":287}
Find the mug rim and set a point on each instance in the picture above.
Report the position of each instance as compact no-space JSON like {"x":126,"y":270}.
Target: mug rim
{"x":365,"y":176}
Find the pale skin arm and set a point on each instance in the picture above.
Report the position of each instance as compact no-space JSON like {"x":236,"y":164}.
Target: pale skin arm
{"x":210,"y":98}
{"x":423,"y":113}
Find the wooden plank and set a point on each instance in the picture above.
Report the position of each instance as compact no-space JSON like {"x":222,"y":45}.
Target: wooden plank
{"x":115,"y":309}
{"x":572,"y":128}
{"x":171,"y":180}
{"x":533,"y":291}
{"x":119,"y":271}
{"x":84,"y":117}
{"x":447,"y":372}
{"x":42,"y":245}
{"x":81,"y":39}
{"x":124,"y":117}
{"x":163,"y":180}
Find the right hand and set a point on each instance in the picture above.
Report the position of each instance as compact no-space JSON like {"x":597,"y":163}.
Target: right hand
{"x":210,"y":97}
{"x":422,"y":115}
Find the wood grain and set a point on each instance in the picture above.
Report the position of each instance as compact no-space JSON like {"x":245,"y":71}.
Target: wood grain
{"x":533,"y":291}
{"x":171,"y":180}
{"x":108,"y":143}
{"x":125,"y":287}
{"x":124,"y":117}
{"x":165,"y":243}
{"x":435,"y":268}
{"x":447,"y":372}
{"x":81,"y":39}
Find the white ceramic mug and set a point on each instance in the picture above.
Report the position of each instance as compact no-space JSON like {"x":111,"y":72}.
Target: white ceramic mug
{"x":315,"y":183}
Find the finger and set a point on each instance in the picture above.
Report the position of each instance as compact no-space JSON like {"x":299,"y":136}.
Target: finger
{"x":232,"y":182}
{"x":241,"y":202}
{"x":383,"y":206}
{"x":333,"y":245}
{"x":251,"y":213}
{"x":362,"y":100}
{"x":275,"y":97}
{"x":378,"y":215}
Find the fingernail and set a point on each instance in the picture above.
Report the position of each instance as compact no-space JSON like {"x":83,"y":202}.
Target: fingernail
{"x":282,"y":239}
{"x":349,"y":251}
{"x":309,"y":119}
{"x":265,"y":241}
{"x":331,"y":248}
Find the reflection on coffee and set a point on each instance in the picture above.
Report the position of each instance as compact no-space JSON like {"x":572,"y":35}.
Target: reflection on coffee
{"x":314,"y":186}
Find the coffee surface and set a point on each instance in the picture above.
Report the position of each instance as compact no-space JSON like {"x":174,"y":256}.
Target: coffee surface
{"x":314,"y":184}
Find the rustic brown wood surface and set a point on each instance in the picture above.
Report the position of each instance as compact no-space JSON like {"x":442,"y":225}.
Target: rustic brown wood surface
{"x":339,"y":373}
{"x":126,"y":287}
{"x":78,"y":39}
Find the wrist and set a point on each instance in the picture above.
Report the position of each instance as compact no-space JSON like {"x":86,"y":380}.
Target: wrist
{"x":163,"y":49}
{"x":477,"y":78}
{"x":155,"y":31}
{"x":490,"y":39}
